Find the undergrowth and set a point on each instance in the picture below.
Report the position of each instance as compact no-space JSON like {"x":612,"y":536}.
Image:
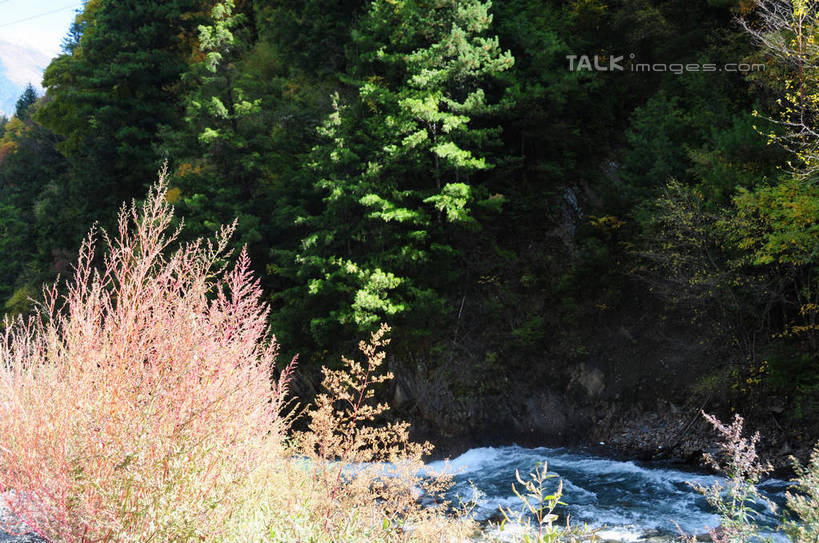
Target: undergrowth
{"x":738,"y":500}
{"x":139,"y":404}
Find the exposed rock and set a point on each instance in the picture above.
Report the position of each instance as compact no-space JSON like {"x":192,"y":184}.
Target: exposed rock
{"x":592,"y":380}
{"x":546,"y":414}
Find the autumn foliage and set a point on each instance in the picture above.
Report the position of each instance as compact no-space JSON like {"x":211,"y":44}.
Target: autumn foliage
{"x":139,"y":399}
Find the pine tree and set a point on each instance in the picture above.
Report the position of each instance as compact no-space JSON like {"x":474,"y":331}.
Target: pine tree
{"x":31,"y":232}
{"x":25,"y":102}
{"x":217,"y":175}
{"x":401,"y":169}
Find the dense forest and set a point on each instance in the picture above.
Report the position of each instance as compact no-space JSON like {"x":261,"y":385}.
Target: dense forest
{"x":558,"y":235}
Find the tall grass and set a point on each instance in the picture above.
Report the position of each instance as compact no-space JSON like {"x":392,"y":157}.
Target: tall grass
{"x":139,"y":400}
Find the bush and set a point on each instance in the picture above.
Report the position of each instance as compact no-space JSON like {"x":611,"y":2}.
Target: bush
{"x":367,"y":481}
{"x":735,"y":501}
{"x":137,"y":404}
{"x":535,"y":521}
{"x":735,"y":504}
{"x":803,"y":501}
{"x":352,"y":477}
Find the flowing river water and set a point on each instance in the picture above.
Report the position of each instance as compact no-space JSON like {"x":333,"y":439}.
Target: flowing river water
{"x":629,"y":500}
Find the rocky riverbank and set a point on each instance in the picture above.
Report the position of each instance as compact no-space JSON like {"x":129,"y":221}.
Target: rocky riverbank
{"x":669,"y":432}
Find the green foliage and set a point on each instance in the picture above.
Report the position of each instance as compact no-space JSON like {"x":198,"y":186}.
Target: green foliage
{"x":782,"y":223}
{"x":400,"y":169}
{"x":656,"y":133}
{"x":437,"y":164}
{"x":531,"y":332}
{"x":21,"y":301}
{"x":31,"y":235}
{"x":217,"y":162}
{"x":691,"y":260}
{"x":110,"y":92}
{"x":796,"y":375}
{"x":778,"y":227}
{"x":12,"y":236}
{"x":536,"y":517}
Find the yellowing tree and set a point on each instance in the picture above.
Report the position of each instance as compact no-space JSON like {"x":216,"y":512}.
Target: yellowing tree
{"x":787,"y":31}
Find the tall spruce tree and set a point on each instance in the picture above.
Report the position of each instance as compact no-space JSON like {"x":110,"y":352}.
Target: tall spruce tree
{"x":218,"y":166}
{"x":400,"y":172}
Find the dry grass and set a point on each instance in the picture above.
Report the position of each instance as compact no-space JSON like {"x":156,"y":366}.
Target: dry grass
{"x":365,"y":476}
{"x":351,"y":478}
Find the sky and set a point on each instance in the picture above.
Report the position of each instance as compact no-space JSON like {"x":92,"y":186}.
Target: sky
{"x":31,"y":32}
{"x":38,"y":24}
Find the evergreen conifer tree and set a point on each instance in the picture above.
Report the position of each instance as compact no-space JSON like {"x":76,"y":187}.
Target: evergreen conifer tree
{"x":400,"y":171}
{"x":24,"y":103}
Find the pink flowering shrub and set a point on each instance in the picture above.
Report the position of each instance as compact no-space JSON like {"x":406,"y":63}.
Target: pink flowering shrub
{"x":734,"y":501}
{"x":137,"y":403}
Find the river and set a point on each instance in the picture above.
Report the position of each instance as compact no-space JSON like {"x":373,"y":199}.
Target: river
{"x":627,"y":499}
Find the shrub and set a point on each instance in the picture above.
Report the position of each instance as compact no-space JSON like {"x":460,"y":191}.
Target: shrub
{"x":735,"y":501}
{"x":367,"y":480}
{"x":804,"y":502}
{"x":351,"y":477}
{"x":137,"y":404}
{"x":535,"y":520}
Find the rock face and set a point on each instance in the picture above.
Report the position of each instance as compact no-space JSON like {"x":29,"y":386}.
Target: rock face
{"x":545,"y":415}
{"x":586,"y":406}
{"x":634,"y":378}
{"x":592,"y":380}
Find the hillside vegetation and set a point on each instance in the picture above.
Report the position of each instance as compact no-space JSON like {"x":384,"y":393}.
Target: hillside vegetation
{"x":542,"y":240}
